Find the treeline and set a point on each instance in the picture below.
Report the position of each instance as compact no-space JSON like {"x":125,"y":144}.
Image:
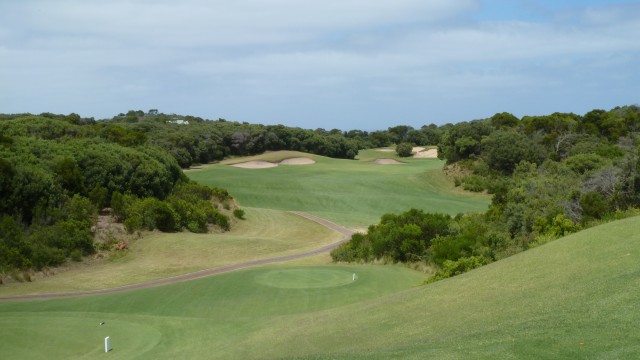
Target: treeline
{"x":549,"y":176}
{"x":193,"y":140}
{"x":57,"y":172}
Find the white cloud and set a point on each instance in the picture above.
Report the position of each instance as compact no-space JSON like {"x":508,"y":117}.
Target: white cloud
{"x":381,"y":53}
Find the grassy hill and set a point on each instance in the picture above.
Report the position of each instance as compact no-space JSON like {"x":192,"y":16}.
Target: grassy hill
{"x":353,"y":193}
{"x":574,"y":298}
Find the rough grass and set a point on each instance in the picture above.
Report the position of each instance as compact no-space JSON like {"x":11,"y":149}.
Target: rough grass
{"x":353,"y":193}
{"x":264,"y":233}
{"x":575,"y":298}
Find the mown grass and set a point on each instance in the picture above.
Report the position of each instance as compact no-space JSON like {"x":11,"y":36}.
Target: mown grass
{"x":264,"y":233}
{"x":575,"y":298}
{"x":200,"y":319}
{"x":353,"y":193}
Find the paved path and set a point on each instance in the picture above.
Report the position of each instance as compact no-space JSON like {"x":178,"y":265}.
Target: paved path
{"x":202,"y":273}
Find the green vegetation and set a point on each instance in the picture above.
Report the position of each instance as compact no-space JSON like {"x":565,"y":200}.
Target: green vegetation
{"x":404,"y":149}
{"x":348,"y":192}
{"x":192,"y":317}
{"x":58,"y":171}
{"x":573,"y":298}
{"x":549,"y":176}
{"x":265,"y":233}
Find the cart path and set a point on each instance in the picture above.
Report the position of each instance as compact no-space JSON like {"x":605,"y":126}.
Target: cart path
{"x":203,"y":273}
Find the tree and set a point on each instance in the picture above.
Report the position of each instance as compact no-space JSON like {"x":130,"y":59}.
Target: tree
{"x":504,"y":120}
{"x":503,"y":150}
{"x":404,"y":149}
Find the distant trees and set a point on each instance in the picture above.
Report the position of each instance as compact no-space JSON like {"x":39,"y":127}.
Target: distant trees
{"x":57,"y":171}
{"x":549,"y":175}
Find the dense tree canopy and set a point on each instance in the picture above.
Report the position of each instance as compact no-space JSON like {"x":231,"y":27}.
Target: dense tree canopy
{"x":549,"y":176}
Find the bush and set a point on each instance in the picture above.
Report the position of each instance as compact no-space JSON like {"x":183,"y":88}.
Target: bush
{"x":238,"y":213}
{"x":76,"y":255}
{"x":404,"y":149}
{"x":460,"y":266}
{"x":474,"y":183}
{"x":594,"y":205}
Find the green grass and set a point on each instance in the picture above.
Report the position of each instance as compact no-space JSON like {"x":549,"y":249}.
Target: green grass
{"x":353,"y":193}
{"x":575,"y":298}
{"x":265,"y":233}
{"x":200,"y":319}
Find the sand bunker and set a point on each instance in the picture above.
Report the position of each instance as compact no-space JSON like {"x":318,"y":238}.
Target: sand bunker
{"x":260,"y":164}
{"x":297,"y":161}
{"x":426,"y":154}
{"x":387,"y":162}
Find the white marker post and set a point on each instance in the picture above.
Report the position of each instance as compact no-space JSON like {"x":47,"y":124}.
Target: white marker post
{"x":107,"y":344}
{"x":354,"y":276}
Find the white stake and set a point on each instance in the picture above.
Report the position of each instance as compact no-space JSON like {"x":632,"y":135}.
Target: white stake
{"x":354,"y":276}
{"x":107,"y":344}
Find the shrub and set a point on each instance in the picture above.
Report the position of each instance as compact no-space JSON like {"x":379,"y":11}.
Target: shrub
{"x":594,"y":205}
{"x":239,"y":213}
{"x":404,"y":149}
{"x":460,"y":266}
{"x":474,"y":183}
{"x":76,"y":255}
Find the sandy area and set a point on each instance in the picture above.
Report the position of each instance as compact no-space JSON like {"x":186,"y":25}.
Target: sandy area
{"x":297,"y":161}
{"x":260,"y":164}
{"x":426,"y":154}
{"x":387,"y":162}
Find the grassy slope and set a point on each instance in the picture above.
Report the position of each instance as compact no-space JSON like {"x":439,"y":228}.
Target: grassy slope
{"x":350,"y":192}
{"x":265,"y":233}
{"x":539,"y":304}
{"x":574,"y":298}
{"x":200,"y":319}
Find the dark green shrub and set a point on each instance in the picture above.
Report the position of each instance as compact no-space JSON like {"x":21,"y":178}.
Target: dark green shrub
{"x":239,"y":213}
{"x":404,"y":149}
{"x":76,"y":255}
{"x":594,"y":205}
{"x":460,"y":266}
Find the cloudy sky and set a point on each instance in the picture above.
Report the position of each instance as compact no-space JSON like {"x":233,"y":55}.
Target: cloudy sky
{"x":347,"y":64}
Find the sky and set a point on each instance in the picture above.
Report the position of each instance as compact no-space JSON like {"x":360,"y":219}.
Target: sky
{"x":346,"y":64}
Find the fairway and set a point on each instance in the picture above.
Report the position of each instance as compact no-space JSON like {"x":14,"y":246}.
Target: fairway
{"x":575,"y":298}
{"x":206,"y":318}
{"x":353,"y":193}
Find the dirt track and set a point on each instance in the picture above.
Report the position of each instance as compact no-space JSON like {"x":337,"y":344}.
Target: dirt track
{"x":202,"y":273}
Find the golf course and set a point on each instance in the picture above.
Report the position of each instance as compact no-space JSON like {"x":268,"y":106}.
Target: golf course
{"x":549,"y":302}
{"x":352,"y":193}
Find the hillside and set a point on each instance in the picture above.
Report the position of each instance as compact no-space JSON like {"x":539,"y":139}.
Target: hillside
{"x":573,"y":298}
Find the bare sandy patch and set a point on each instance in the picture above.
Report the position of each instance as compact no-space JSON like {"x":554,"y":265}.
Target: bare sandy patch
{"x":256,"y":164}
{"x":426,"y":154}
{"x":297,"y":161}
{"x":386,"y":149}
{"x":387,"y":162}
